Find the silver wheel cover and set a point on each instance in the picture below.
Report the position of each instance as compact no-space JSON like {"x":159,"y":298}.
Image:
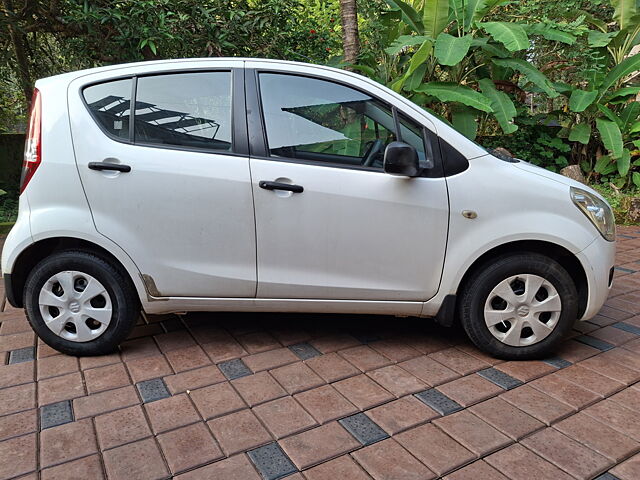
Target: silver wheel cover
{"x":75,"y":306}
{"x":522,"y":310}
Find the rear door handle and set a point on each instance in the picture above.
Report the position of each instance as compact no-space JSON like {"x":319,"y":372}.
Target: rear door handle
{"x":281,"y":186}
{"x":118,"y":167}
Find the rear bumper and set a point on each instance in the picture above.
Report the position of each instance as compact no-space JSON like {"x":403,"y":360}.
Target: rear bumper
{"x":597,"y":260}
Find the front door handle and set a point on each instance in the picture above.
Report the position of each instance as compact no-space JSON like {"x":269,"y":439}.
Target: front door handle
{"x":281,"y":186}
{"x":118,"y":167}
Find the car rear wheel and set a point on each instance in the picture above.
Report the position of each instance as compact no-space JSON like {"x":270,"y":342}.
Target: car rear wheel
{"x":519,"y":306}
{"x":80,"y":304}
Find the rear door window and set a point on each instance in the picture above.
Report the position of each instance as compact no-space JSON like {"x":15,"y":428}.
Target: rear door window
{"x":191,"y":110}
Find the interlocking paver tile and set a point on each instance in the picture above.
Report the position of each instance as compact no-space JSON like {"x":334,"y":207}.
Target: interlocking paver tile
{"x":434,"y":448}
{"x":296,"y":377}
{"x":590,"y":379}
{"x":189,"y":447}
{"x":258,"y":388}
{"x":598,"y":436}
{"x":123,"y":463}
{"x":16,"y":341}
{"x":146,"y":368}
{"x":429,"y":371}
{"x":459,"y":361}
{"x":388,"y":460}
{"x":56,"y":365}
{"x":256,"y":342}
{"x":318,"y":444}
{"x":332,"y":367}
{"x":629,"y":397}
{"x":395,"y":350}
{"x":121,"y":426}
{"x":271,"y":461}
{"x":106,"y":378}
{"x":67,"y":442}
{"x":284,"y":416}
{"x":616,"y":416}
{"x":363,"y":392}
{"x":19,"y":456}
{"x":235,"y":368}
{"x":170,"y":413}
{"x":613,"y":335}
{"x":438,"y":401}
{"x":56,"y":389}
{"x":568,"y":392}
{"x":223,"y":348}
{"x":469,"y":390}
{"x":26,"y":354}
{"x":238,"y":432}
{"x":216,"y":400}
{"x":87,"y":363}
{"x":401,"y":414}
{"x":537,"y":404}
{"x":629,"y":470}
{"x":473,"y":433}
{"x":475,"y":471}
{"x":18,"y":424}
{"x":270,"y":359}
{"x":525,"y":371}
{"x":396,"y":380}
{"x":334,"y":342}
{"x":325,"y":403}
{"x":611,"y":369}
{"x":55,"y":414}
{"x":152,"y":390}
{"x":340,"y":468}
{"x":365,"y":358}
{"x":174,"y":340}
{"x":102,"y":402}
{"x":573,"y":351}
{"x":304,"y":350}
{"x":500,"y":378}
{"x":510,"y":420}
{"x":84,"y":468}
{"x":363,"y":428}
{"x":566,"y":453}
{"x":238,"y":467}
{"x":17,"y":374}
{"x":519,"y":463}
{"x":192,"y":379}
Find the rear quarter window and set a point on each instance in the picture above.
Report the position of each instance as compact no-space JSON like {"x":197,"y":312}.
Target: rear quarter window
{"x":110,"y":105}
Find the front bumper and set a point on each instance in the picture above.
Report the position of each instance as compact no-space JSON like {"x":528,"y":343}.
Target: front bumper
{"x":597,"y":260}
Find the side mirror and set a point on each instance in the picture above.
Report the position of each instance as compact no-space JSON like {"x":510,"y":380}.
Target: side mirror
{"x":401,"y":159}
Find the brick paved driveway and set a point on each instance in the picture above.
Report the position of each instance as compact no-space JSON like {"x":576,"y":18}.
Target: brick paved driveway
{"x":222,"y":396}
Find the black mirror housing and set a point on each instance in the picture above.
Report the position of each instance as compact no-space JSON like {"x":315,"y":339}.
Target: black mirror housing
{"x":401,"y":159}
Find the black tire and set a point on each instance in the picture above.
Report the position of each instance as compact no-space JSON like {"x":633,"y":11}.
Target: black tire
{"x":482,"y":281}
{"x":124,"y":301}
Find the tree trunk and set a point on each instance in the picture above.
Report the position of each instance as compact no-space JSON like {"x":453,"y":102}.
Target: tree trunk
{"x":22,"y":62}
{"x":350,"y":39}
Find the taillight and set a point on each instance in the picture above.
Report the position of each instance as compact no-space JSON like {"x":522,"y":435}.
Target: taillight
{"x":33,"y":143}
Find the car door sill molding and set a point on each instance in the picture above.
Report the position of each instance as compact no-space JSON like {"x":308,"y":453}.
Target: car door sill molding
{"x":194,"y":304}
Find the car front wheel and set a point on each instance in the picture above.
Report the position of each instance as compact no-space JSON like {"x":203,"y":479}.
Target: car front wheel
{"x":519,"y":306}
{"x":80,"y":304}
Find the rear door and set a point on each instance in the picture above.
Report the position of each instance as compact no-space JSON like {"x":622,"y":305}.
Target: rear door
{"x":347,"y":230}
{"x":169,"y":181}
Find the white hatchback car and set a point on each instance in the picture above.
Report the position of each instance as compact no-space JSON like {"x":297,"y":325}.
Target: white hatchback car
{"x":263,"y":185}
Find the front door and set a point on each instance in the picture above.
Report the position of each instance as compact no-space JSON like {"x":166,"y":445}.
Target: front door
{"x":343,"y":229}
{"x":184,"y":210}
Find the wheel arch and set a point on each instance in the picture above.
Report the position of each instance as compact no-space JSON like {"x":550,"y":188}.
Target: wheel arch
{"x":557,"y":252}
{"x":41,"y":249}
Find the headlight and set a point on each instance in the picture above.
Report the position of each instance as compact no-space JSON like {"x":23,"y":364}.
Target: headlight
{"x":596,"y":210}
